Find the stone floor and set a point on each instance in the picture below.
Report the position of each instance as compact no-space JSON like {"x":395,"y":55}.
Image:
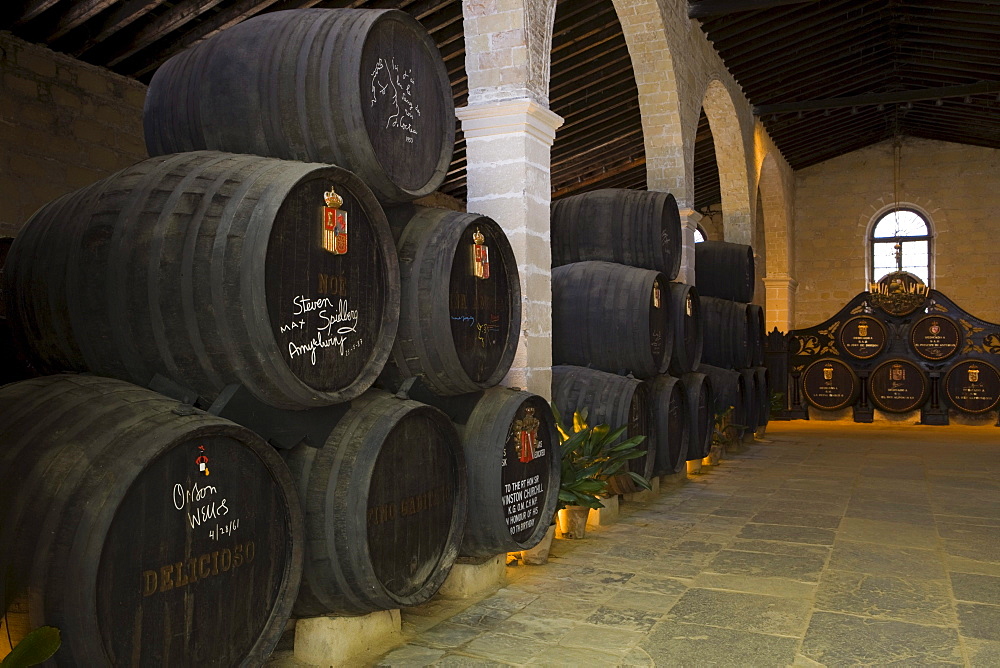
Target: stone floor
{"x":823,"y":544}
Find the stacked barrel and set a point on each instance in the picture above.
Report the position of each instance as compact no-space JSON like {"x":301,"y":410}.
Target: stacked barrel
{"x":249,"y":274}
{"x":626,"y":338}
{"x":733,"y":353}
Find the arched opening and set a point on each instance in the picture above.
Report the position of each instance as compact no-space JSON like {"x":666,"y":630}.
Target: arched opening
{"x":731,"y":163}
{"x":901,"y":239}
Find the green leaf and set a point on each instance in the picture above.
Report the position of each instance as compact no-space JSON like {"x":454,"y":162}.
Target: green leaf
{"x":639,"y":480}
{"x":34,"y":648}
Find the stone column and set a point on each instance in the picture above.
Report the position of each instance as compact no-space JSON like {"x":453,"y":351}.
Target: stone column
{"x":781,"y":290}
{"x":689,"y":223}
{"x":508,"y":145}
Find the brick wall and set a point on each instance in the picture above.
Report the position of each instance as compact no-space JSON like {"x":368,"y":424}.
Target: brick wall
{"x":836,"y":200}
{"x":63,"y":124}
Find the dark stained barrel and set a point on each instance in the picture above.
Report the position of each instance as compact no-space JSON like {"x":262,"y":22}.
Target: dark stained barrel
{"x":613,"y":400}
{"x":670,"y":422}
{"x":763,"y":396}
{"x":701,"y":414}
{"x":611,"y":317}
{"x":752,"y":407}
{"x":459,"y":277}
{"x":973,"y":386}
{"x":363,"y":89}
{"x":685,"y":321}
{"x":757,"y":334}
{"x":637,"y":228}
{"x":209,"y":269}
{"x":13,"y":365}
{"x":724,"y":270}
{"x":148,"y":532}
{"x":830,"y":384}
{"x":729,"y":390}
{"x":727,"y":330}
{"x":385,"y":507}
{"x":513,"y":460}
{"x":935,"y":337}
{"x":863,"y":337}
{"x":898,"y":386}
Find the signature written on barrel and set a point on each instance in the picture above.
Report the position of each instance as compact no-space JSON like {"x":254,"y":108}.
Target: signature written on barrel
{"x":327,"y":322}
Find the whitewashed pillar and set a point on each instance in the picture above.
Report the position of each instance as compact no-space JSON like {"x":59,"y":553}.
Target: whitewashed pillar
{"x":508,"y":146}
{"x":781,"y":291}
{"x":689,"y":223}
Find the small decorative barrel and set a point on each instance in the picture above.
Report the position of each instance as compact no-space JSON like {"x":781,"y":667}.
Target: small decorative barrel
{"x":671,"y":424}
{"x":611,"y":317}
{"x":898,"y":386}
{"x":729,"y":390}
{"x":459,"y":277}
{"x":973,"y":386}
{"x":685,"y":305}
{"x":212,"y":269}
{"x":513,"y":460}
{"x":363,"y":89}
{"x":637,"y":228}
{"x":727,"y":329}
{"x":385,"y":506}
{"x":724,"y":270}
{"x":613,"y":400}
{"x":830,"y":384}
{"x":148,"y":532}
{"x":701,"y":415}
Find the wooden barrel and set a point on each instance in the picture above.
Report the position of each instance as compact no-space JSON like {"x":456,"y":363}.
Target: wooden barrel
{"x":13,"y":364}
{"x":148,"y":532}
{"x":757,"y":334}
{"x":209,"y":269}
{"x":459,"y":276}
{"x":701,"y":416}
{"x":973,"y":386}
{"x":613,"y":400}
{"x":671,"y":424}
{"x":611,"y":317}
{"x":729,"y":390}
{"x":513,"y":461}
{"x":935,"y":337}
{"x":363,"y":89}
{"x":752,"y":405}
{"x":685,"y":321}
{"x":763,"y":396}
{"x":637,"y":228}
{"x":727,"y":328}
{"x":830,"y":384}
{"x":898,"y":386}
{"x":385,"y":505}
{"x":724,"y":270}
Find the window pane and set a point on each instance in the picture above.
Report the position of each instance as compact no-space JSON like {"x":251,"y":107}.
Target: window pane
{"x":915,"y":259}
{"x":900,"y":224}
{"x":885,"y":259}
{"x":698,"y":236}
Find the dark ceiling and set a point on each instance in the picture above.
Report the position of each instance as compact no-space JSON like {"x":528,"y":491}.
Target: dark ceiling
{"x":826,"y":76}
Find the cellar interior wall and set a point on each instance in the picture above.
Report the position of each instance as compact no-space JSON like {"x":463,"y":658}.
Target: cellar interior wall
{"x":955,"y":185}
{"x":63,"y":124}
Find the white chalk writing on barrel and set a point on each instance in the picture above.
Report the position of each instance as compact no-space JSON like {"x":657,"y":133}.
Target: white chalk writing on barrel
{"x":520,"y":500}
{"x":336,"y":320}
{"x":394,"y":86}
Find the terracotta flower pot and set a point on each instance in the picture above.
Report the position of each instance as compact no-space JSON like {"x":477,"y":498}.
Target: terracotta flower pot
{"x":573,"y":521}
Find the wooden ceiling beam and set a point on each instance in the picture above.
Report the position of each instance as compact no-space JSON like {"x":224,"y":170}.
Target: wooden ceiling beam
{"x":32,"y":10}
{"x":178,"y":15}
{"x":705,"y":8}
{"x":76,"y":15}
{"x":869,"y":99}
{"x":568,"y":189}
{"x":228,"y":17}
{"x":121,"y":17}
{"x":574,"y":150}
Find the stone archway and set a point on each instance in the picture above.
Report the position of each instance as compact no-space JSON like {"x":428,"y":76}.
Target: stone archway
{"x":730,"y":155}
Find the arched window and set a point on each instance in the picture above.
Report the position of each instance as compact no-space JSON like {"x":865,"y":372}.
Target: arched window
{"x":901,"y":240}
{"x":699,"y":234}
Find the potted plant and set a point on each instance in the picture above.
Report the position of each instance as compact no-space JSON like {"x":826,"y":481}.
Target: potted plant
{"x":590,"y":456}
